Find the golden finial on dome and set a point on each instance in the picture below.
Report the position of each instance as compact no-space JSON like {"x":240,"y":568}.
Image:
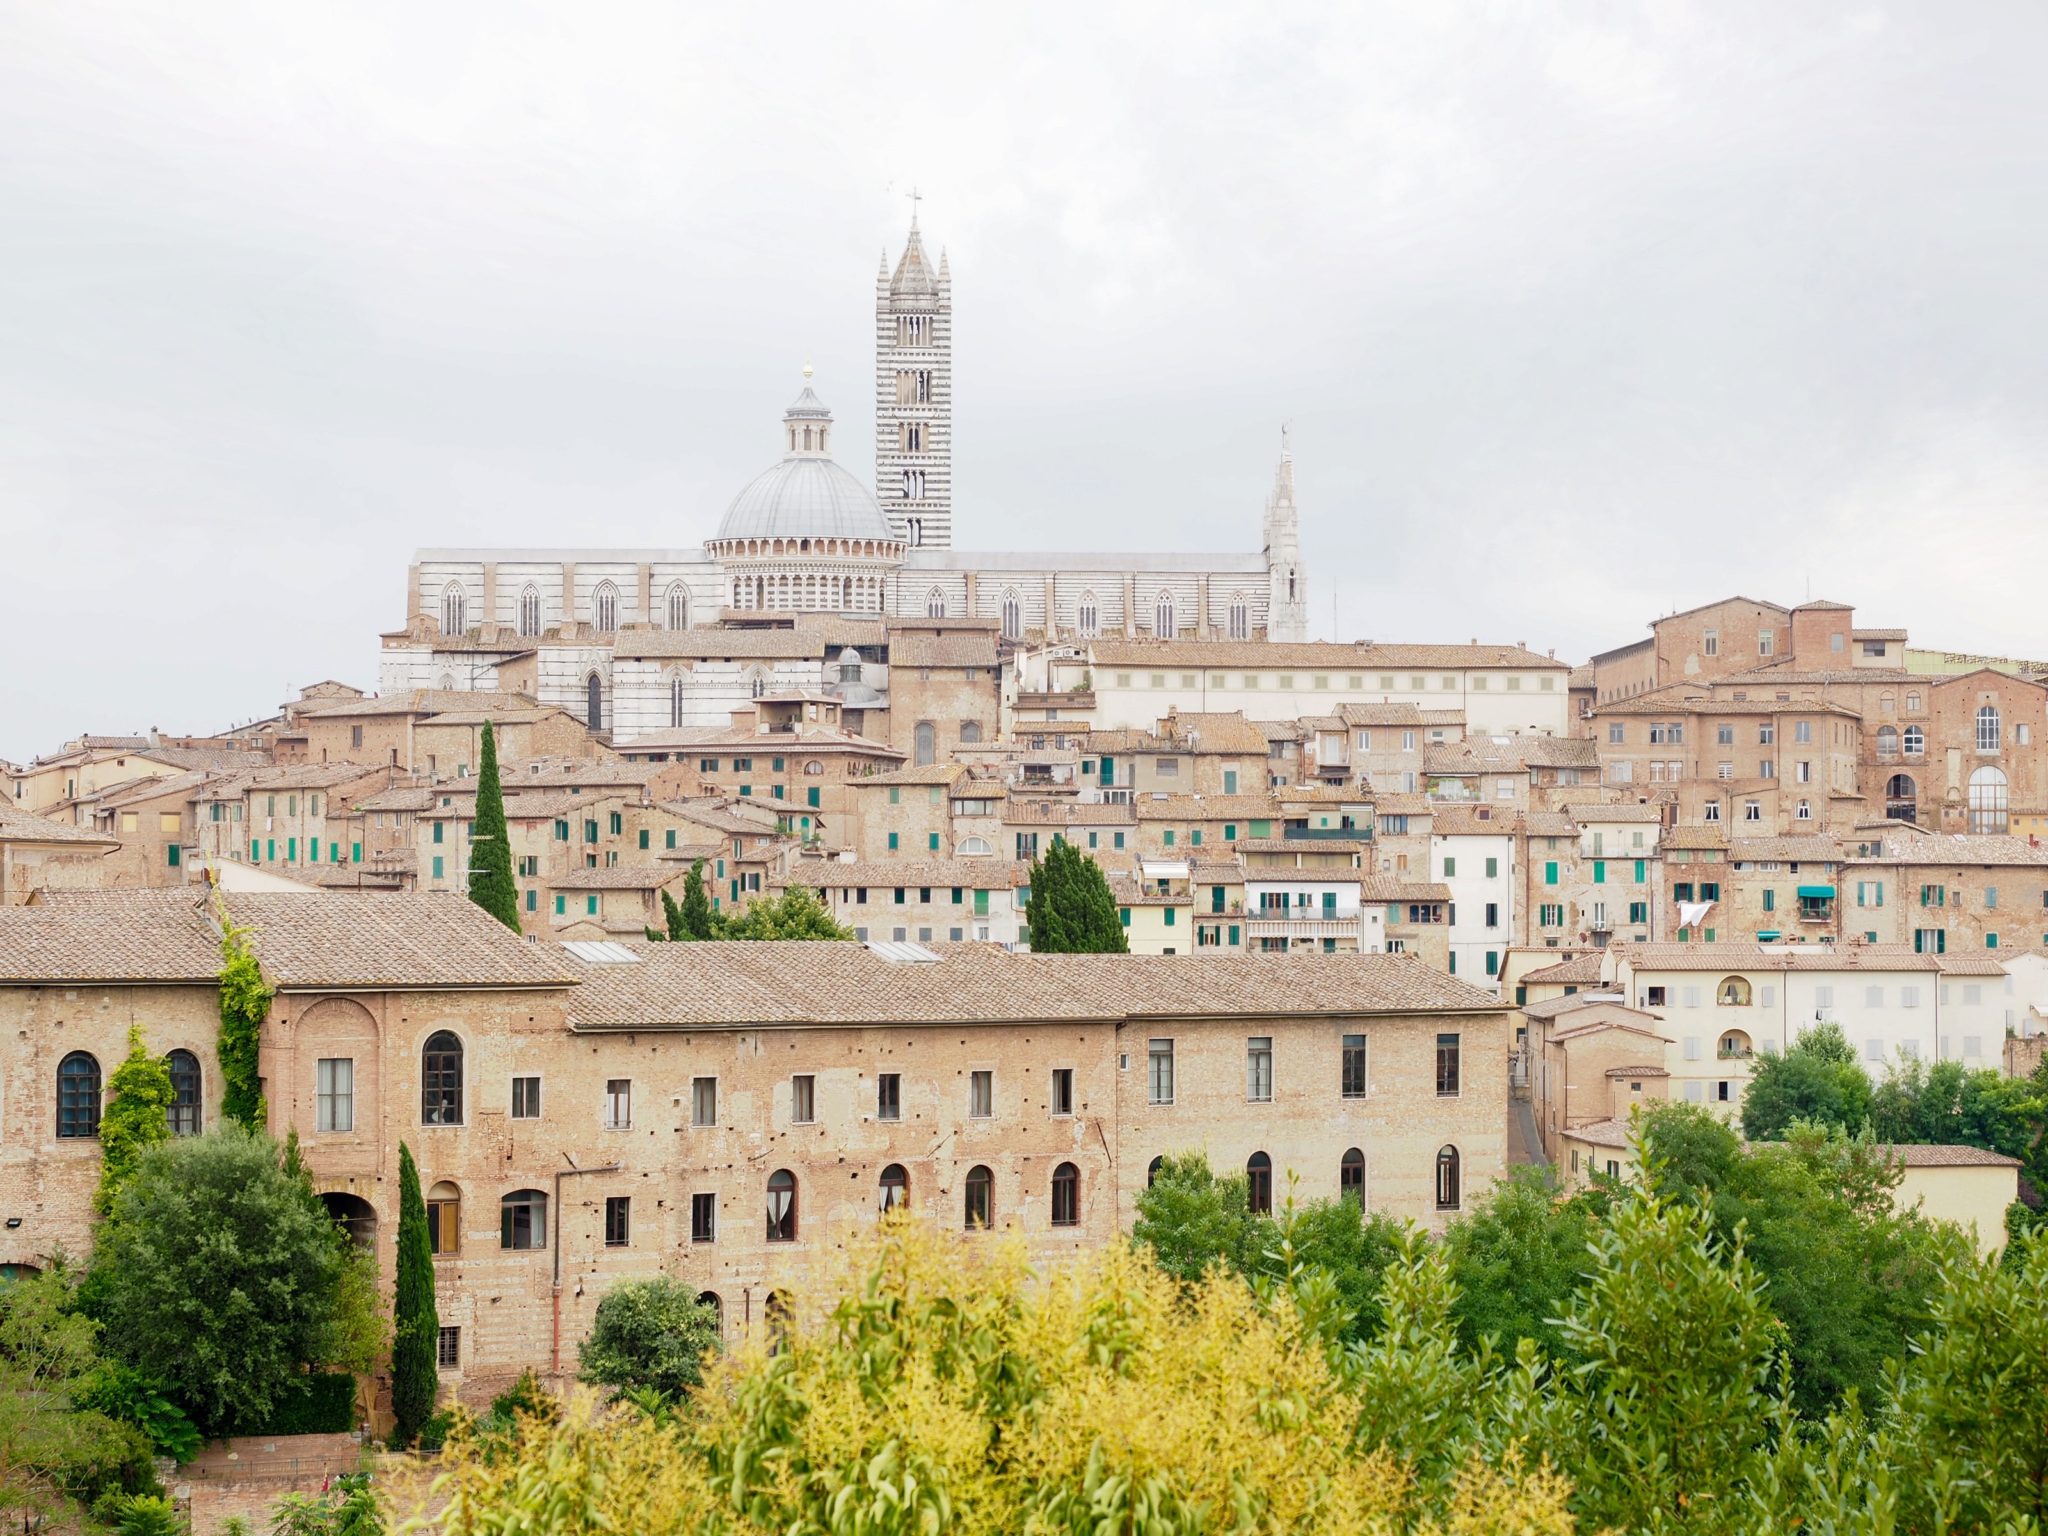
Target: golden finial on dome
{"x":807,"y":370}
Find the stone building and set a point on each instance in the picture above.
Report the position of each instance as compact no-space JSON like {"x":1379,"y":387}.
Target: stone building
{"x":729,"y":1114}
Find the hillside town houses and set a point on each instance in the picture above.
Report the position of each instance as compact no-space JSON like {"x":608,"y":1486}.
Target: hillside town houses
{"x":1376,"y":893}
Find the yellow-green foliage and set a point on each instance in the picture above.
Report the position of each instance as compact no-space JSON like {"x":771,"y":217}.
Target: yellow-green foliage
{"x":957,"y":1395}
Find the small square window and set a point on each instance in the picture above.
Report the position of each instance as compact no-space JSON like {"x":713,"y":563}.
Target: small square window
{"x":525,"y":1098}
{"x":1063,"y":1090}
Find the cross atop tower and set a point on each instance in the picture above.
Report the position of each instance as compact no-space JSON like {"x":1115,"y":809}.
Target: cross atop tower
{"x":915,"y":197}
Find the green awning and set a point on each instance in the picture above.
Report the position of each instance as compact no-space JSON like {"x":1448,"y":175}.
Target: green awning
{"x":1819,"y":892}
{"x":1768,"y":934}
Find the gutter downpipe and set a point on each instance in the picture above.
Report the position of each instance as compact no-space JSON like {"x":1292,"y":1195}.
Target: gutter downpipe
{"x":555,"y":1350}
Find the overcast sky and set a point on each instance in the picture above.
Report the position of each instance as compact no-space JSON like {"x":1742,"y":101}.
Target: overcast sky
{"x":1580,"y":313}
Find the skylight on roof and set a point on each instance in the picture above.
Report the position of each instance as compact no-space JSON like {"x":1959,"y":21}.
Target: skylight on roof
{"x":600,"y":952}
{"x":900,"y":953}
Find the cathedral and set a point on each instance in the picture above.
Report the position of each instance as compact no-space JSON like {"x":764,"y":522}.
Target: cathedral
{"x":809,"y":569}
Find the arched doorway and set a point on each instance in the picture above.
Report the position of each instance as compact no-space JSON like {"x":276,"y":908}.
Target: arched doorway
{"x":354,"y":1215}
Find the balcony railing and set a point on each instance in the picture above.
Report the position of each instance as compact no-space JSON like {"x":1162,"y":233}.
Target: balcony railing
{"x":1272,"y":926}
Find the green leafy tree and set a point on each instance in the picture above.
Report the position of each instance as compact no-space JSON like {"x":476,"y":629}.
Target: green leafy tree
{"x":1517,"y":1257}
{"x":490,"y":854}
{"x":416,"y":1325}
{"x":1850,"y":1277}
{"x":1966,"y":1416}
{"x":138,"y":1117}
{"x":217,"y":1276}
{"x":244,"y":1005}
{"x":649,"y":1334}
{"x":798,"y":913}
{"x":145,"y":1514}
{"x":348,"y":1507}
{"x":57,"y":1442}
{"x":1678,"y":1394}
{"x":1949,"y":1104}
{"x":1072,"y":910}
{"x":1192,"y":1220}
{"x":1818,"y":1079}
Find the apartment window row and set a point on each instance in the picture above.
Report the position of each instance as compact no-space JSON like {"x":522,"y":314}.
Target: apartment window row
{"x":1353,"y":1068}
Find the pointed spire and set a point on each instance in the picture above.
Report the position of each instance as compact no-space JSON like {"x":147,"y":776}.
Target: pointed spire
{"x":914,"y":272}
{"x":1283,"y":476}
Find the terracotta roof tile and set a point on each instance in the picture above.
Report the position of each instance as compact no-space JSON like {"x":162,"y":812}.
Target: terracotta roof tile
{"x":748,"y":985}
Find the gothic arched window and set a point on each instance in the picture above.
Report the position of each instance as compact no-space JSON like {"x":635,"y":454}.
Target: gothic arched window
{"x":1258,"y":1174}
{"x":441,"y":1079}
{"x":1447,"y":1180}
{"x":895,"y":1187}
{"x":675,"y":701}
{"x":1901,"y":798}
{"x":926,"y":743}
{"x":970,"y":732}
{"x":1351,"y":1176}
{"x":185,"y":1104}
{"x":782,"y":1206}
{"x":78,"y":1095}
{"x":1988,"y":807}
{"x":935,"y":604}
{"x":1013,"y":616}
{"x":1066,"y":1196}
{"x":1240,"y":618}
{"x":593,"y":702}
{"x":1162,"y":617}
{"x":678,"y":606}
{"x":454,"y":610}
{"x":529,"y":611}
{"x":981,"y":1199}
{"x":604,"y":608}
{"x":1089,"y":616}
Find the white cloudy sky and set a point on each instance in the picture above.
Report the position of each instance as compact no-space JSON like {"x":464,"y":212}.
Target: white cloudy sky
{"x":1580,"y":312}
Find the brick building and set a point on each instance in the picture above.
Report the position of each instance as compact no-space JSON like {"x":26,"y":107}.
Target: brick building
{"x":729,"y":1113}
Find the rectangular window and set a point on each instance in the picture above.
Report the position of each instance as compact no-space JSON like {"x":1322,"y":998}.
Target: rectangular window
{"x":889,"y":1096}
{"x":1353,"y":1082}
{"x":618,"y":1104}
{"x":1450,"y":867}
{"x":448,"y":1343}
{"x":1447,"y":1047}
{"x":618,"y":1220}
{"x":1063,"y":1090}
{"x":981,"y":1095}
{"x":1258,"y":1069}
{"x":334,"y":1094}
{"x":703,"y":1218}
{"x":703,"y":1102}
{"x":803,"y":1099}
{"x":1159,"y":1072}
{"x":525,"y":1098}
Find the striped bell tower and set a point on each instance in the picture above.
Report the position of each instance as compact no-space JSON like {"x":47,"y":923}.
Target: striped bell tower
{"x":914,"y":394}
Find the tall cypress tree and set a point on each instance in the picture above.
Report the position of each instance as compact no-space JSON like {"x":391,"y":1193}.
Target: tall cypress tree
{"x":490,"y":853}
{"x":1072,"y":910}
{"x":416,"y":1325}
{"x":698,"y":919}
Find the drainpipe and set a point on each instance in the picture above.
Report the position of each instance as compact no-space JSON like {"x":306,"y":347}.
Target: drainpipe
{"x":555,"y":1354}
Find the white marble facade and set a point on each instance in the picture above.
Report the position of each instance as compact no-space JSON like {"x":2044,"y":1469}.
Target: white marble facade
{"x":806,"y":538}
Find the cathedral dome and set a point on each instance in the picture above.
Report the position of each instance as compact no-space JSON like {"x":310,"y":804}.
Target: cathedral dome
{"x":807,"y":495}
{"x":805,"y":498}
